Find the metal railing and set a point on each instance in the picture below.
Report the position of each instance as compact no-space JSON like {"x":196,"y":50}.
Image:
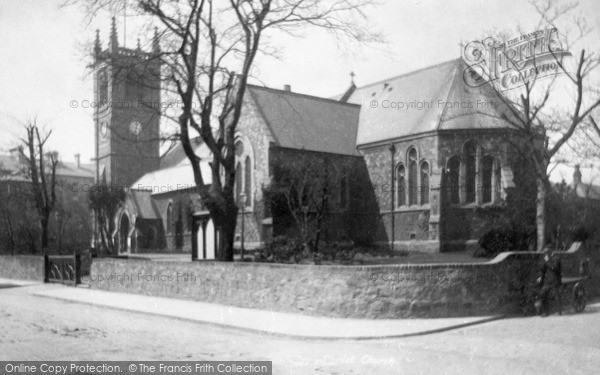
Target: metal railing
{"x":64,"y":269}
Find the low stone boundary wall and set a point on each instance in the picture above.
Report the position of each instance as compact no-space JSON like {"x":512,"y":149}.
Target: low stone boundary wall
{"x":501,"y":286}
{"x":22,"y":267}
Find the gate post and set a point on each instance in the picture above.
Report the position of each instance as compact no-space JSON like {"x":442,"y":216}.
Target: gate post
{"x":194,"y":239}
{"x":77,"y":258}
{"x":46,"y":267}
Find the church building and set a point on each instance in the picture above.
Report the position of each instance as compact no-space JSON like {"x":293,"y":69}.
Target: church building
{"x":413,"y":157}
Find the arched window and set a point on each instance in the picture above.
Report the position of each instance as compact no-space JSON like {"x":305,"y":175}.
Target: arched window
{"x":238,"y":182}
{"x":470,"y":187}
{"x":412,"y":177}
{"x":452,"y":181}
{"x":248,"y":180}
{"x":401,"y":185}
{"x":424,"y":182}
{"x":243,"y":173}
{"x":239,"y":148}
{"x":170,"y":218}
{"x":487,"y":175}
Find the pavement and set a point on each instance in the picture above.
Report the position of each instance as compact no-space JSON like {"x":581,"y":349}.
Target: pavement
{"x":260,"y":321}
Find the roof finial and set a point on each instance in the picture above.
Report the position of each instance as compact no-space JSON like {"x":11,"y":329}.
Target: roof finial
{"x":114,"y":41}
{"x":97,"y":45}
{"x":352,"y":75}
{"x":155,"y":42}
{"x":139,"y":47}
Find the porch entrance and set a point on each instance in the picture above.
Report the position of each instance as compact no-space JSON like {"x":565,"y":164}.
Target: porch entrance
{"x":205,"y":239}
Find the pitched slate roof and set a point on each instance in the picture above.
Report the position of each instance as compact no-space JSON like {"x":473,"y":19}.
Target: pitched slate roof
{"x":166,"y":180}
{"x":176,"y":155}
{"x":13,"y":167}
{"x":588,"y":191}
{"x":307,"y":122}
{"x":144,"y":205}
{"x":435,"y":98}
{"x":175,"y":172}
{"x":71,"y":170}
{"x":10,"y":169}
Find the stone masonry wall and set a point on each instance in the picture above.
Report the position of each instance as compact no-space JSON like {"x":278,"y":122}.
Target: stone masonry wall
{"x":355,"y":220}
{"x":22,"y":267}
{"x":501,"y":286}
{"x":407,"y":219}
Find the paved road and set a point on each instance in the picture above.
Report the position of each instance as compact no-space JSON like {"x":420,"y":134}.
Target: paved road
{"x":33,"y":327}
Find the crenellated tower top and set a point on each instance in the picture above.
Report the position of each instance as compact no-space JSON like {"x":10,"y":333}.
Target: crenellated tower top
{"x":114,"y":51}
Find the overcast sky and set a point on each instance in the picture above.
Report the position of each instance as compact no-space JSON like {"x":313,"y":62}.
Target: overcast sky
{"x":43,"y":67}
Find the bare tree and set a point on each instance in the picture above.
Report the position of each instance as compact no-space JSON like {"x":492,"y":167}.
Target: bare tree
{"x":306,"y":190}
{"x":41,"y":170}
{"x":105,"y":201}
{"x":208,"y":49}
{"x":547,"y":113}
{"x":7,"y":230}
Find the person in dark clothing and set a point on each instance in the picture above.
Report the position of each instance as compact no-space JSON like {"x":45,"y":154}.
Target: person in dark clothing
{"x":550,"y":282}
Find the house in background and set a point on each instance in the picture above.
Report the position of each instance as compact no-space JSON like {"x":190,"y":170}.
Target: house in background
{"x":70,"y":225}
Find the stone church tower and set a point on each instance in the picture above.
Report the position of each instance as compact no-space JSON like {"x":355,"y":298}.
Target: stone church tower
{"x":127,"y":110}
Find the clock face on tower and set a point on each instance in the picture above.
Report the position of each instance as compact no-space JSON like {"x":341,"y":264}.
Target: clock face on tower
{"x":135,"y":128}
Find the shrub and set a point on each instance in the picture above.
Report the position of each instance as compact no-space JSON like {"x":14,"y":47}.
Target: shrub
{"x":502,"y":239}
{"x":339,"y":253}
{"x":579,"y":234}
{"x":282,"y":249}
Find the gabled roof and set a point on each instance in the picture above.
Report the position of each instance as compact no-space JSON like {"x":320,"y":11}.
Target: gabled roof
{"x":11,"y":170}
{"x":435,"y":98}
{"x":144,"y":205}
{"x":176,"y":155}
{"x":9,"y":163}
{"x":166,"y":180}
{"x":175,"y":172}
{"x":307,"y":122}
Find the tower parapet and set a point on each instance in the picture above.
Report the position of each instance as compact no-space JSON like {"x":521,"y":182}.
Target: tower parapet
{"x":113,"y":49}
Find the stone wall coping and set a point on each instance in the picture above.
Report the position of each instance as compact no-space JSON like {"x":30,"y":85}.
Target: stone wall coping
{"x":500,"y":258}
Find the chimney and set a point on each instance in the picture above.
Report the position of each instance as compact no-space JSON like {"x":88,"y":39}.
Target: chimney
{"x":17,"y":154}
{"x":576,"y":177}
{"x":78,"y":160}
{"x":52,"y":154}
{"x":287,"y":88}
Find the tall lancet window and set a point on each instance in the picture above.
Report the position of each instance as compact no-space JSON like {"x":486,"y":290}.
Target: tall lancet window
{"x":412,"y":177}
{"x":424,"y":182}
{"x":401,"y":185}
{"x":487,"y":178}
{"x":238,"y":182}
{"x":470,"y":151}
{"x":452,"y":187}
{"x":248,"y":180}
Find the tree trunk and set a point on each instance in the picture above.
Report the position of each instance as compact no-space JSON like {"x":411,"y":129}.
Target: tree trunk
{"x":225,"y":220}
{"x":540,"y":215}
{"x":44,"y":224}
